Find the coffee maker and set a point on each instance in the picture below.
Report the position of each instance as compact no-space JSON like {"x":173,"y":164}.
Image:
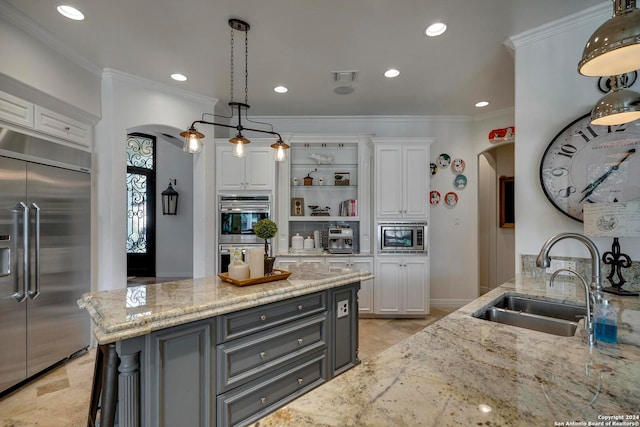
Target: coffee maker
{"x":340,"y":240}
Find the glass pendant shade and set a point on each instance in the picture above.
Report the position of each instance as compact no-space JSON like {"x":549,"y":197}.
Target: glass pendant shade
{"x":614,"y":48}
{"x":280,"y":147}
{"x":192,"y":140}
{"x":619,"y":106}
{"x":239,"y":150}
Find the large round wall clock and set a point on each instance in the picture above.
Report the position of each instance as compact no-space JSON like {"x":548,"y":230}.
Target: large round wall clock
{"x":585,"y":163}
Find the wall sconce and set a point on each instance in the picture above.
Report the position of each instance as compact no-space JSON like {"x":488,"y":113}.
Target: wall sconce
{"x":170,"y":199}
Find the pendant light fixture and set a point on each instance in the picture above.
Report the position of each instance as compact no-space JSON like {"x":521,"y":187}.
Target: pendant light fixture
{"x":620,"y":105}
{"x":193,"y":138}
{"x":614,"y":48}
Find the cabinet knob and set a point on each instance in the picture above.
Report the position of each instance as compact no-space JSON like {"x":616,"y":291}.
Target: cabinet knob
{"x":263,"y":400}
{"x":300,"y":380}
{"x":67,"y":128}
{"x":300,"y":341}
{"x":300,"y":307}
{"x":263,"y":317}
{"x":263,"y":354}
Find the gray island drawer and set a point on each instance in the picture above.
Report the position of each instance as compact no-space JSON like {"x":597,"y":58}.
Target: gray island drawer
{"x":250,"y":402}
{"x":246,"y":358}
{"x":245,"y":322}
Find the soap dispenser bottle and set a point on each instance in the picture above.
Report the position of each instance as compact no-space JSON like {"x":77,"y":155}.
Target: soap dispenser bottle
{"x":605,"y":322}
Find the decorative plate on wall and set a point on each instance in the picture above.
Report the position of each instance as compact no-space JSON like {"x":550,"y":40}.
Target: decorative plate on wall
{"x":451,"y":199}
{"x":457,"y":166}
{"x":444,"y":160}
{"x":434,"y":198}
{"x":434,"y":168}
{"x":460,"y":182}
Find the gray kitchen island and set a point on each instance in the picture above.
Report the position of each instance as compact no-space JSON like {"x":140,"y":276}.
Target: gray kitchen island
{"x":204,"y":352}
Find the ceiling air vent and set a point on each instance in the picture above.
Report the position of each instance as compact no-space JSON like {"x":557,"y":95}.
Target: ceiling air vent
{"x":344,"y":81}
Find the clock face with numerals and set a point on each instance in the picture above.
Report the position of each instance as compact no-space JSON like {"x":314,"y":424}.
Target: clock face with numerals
{"x":587,"y":163}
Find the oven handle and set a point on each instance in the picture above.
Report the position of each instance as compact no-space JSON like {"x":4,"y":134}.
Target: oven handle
{"x":234,"y":207}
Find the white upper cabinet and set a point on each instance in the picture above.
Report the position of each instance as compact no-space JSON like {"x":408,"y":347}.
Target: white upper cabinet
{"x":401,"y":169}
{"x":256,"y":171}
{"x":63,"y":127}
{"x":16,"y":110}
{"x":31,"y":116}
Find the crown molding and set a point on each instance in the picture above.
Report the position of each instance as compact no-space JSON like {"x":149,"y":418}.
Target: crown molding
{"x":110,"y":73}
{"x":372,"y":119}
{"x":21,"y":21}
{"x":592,"y":15}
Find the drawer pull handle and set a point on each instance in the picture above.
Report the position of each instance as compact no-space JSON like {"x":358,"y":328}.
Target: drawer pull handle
{"x":263,"y":317}
{"x":263,"y":354}
{"x":300,"y":340}
{"x":300,"y":381}
{"x":263,"y":400}
{"x":300,"y":307}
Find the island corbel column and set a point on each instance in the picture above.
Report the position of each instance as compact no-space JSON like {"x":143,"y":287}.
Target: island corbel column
{"x":129,"y":389}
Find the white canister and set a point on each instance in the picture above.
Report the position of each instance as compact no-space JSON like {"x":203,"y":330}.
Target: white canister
{"x":297,"y":241}
{"x":256,"y":262}
{"x":238,"y":270}
{"x":308,"y":243}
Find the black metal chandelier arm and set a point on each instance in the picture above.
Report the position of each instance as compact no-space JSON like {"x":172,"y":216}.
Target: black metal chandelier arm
{"x":239,"y":127}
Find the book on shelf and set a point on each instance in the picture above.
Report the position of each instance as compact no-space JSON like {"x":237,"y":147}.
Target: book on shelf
{"x":348,"y":208}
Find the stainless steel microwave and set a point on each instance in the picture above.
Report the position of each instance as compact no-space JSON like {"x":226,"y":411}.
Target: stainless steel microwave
{"x":402,"y":237}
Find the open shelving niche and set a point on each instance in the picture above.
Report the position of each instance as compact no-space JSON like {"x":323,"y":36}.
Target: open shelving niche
{"x":345,"y":157}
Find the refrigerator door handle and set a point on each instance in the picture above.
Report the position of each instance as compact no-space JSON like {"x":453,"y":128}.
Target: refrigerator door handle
{"x":17,"y":295}
{"x":36,"y":277}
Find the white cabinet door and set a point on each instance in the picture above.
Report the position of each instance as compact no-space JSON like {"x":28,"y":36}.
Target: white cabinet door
{"x":313,"y":260}
{"x":63,"y":127}
{"x":401,"y":286}
{"x":16,"y":110}
{"x":259,"y":168}
{"x":402,"y":181}
{"x":365,"y":294}
{"x":416,"y":292}
{"x":415,"y":182}
{"x":285,"y":262}
{"x":388,"y":172}
{"x":254,"y":172}
{"x":229,"y":169}
{"x":388,"y":286}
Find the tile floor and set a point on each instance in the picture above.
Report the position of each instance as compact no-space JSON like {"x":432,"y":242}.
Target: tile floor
{"x":60,"y":398}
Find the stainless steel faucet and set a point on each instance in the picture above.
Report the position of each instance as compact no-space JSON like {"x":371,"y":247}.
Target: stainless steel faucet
{"x":588,"y":321}
{"x":544,"y":261}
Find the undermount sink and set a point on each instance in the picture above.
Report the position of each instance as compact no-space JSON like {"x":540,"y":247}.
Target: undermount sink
{"x":539,"y":315}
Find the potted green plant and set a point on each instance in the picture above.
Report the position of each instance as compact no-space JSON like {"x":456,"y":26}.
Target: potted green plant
{"x":266,"y":229}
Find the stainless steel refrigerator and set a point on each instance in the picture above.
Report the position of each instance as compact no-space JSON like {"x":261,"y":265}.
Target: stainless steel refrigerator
{"x":45,"y":248}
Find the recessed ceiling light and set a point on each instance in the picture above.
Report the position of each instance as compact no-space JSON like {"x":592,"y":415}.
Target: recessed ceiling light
{"x":484,"y":408}
{"x":436,"y":29}
{"x":280,"y":89}
{"x":481,"y":104}
{"x":70,"y":12}
{"x":179,"y":77}
{"x":391,"y":73}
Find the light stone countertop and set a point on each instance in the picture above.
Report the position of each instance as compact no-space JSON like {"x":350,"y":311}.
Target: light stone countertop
{"x":138,"y":310}
{"x":447,"y":373}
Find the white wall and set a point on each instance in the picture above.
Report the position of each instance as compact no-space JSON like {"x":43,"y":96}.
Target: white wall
{"x":550,"y":94}
{"x":129,"y":102}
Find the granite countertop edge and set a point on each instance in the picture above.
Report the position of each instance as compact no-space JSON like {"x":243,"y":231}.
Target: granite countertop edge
{"x":112,"y":321}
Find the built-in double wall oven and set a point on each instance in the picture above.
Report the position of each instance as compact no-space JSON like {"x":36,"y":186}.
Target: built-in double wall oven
{"x":237,"y":217}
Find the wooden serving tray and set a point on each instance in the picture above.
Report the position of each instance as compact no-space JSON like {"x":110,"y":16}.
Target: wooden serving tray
{"x":277,"y":275}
